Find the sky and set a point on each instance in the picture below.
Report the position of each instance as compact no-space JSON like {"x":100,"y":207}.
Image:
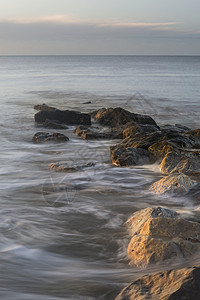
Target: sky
{"x":99,"y":27}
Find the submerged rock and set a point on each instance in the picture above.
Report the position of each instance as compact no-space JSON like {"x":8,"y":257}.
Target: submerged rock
{"x":44,"y":107}
{"x":95,"y":133}
{"x":63,"y":116}
{"x":41,"y":137}
{"x":66,"y":168}
{"x":175,"y":183}
{"x":172,"y":284}
{"x":159,"y":235}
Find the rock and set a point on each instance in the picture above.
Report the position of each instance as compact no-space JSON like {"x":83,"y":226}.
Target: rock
{"x":53,"y":125}
{"x":88,"y":102}
{"x":41,"y":137}
{"x":129,"y":157}
{"x":113,"y":117}
{"x":132,"y":129}
{"x":63,"y":116}
{"x":66,"y":168}
{"x":175,"y":183}
{"x":44,"y":107}
{"x":187,"y":162}
{"x":159,"y":235}
{"x":172,"y":284}
{"x":95,"y":133}
{"x":158,"y":143}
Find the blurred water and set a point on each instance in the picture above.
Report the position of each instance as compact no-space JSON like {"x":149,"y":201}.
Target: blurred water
{"x":62,"y":234}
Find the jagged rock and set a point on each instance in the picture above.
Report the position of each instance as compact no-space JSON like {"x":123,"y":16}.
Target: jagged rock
{"x":132,"y":129}
{"x":95,"y":133}
{"x":63,"y":116}
{"x":159,"y":234}
{"x":66,"y":168}
{"x":172,"y":284}
{"x":41,"y":137}
{"x":175,"y":183}
{"x":113,"y":117}
{"x":44,"y":107}
{"x":187,"y":162}
{"x":129,"y":157}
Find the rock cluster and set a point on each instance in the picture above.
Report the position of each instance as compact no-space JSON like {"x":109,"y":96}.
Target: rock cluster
{"x":176,"y":148}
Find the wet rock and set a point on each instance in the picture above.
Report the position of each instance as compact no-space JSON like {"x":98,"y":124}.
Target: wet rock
{"x":187,"y":162}
{"x":118,"y":116}
{"x":44,"y":107}
{"x":95,"y":133}
{"x":159,"y":235}
{"x":175,"y":183}
{"x":41,"y":137}
{"x":132,"y":129}
{"x":63,"y":116}
{"x":66,"y":168}
{"x":172,"y":284}
{"x":129,"y":157}
{"x":53,"y":125}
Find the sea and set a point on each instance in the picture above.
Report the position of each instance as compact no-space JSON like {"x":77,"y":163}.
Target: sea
{"x":62,"y":235}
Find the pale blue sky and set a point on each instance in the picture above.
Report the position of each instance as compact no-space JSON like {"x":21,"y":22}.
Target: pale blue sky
{"x":100,"y":27}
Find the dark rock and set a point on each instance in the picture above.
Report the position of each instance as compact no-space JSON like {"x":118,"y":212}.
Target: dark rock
{"x":41,"y":137}
{"x":129,"y":157}
{"x":113,"y":117}
{"x":168,"y":285}
{"x":63,"y":116}
{"x":44,"y":107}
{"x":88,"y":102}
{"x":53,"y":125}
{"x":95,"y":133}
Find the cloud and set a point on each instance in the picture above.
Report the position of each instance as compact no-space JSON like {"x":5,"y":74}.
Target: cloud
{"x":66,"y":34}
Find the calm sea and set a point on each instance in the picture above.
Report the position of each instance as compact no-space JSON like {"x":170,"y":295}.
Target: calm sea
{"x":62,"y":234}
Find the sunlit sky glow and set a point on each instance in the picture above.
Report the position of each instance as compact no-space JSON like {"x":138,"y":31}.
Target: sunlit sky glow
{"x":100,"y":27}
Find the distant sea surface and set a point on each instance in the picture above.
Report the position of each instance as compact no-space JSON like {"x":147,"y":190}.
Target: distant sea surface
{"x":62,"y":234}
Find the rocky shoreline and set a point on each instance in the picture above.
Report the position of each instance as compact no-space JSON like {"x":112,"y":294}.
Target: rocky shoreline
{"x":157,"y":234}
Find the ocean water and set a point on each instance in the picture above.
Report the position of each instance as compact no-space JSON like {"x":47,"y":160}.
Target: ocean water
{"x":62,"y":234}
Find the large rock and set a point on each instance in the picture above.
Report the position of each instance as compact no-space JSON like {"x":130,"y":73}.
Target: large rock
{"x":118,"y":116}
{"x":129,"y":157}
{"x":160,"y":234}
{"x":172,"y":284}
{"x":187,"y":162}
{"x":41,"y":137}
{"x":63,"y":116}
{"x":175,"y":183}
